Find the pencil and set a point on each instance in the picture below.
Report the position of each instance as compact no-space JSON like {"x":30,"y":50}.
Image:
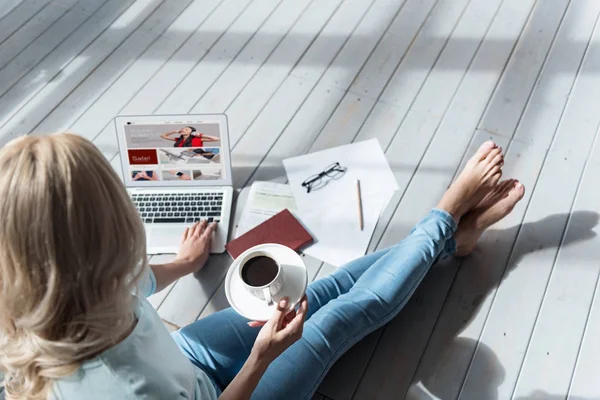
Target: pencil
{"x":360,"y":210}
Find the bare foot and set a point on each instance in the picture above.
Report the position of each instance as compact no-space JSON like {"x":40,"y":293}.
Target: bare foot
{"x":481,"y":173}
{"x":497,"y":204}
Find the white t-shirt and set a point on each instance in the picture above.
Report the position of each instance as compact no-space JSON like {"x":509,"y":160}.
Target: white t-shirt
{"x":147,"y":364}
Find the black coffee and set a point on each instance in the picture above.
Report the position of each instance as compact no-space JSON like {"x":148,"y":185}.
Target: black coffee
{"x":259,"y":271}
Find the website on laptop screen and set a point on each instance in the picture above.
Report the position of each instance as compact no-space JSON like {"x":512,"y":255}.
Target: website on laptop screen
{"x":173,"y":152}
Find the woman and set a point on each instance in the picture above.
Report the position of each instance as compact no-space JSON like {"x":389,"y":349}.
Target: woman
{"x":188,"y":137}
{"x":72,"y":250}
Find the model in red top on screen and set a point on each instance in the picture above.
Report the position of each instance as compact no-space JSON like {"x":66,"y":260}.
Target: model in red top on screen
{"x":188,"y":137}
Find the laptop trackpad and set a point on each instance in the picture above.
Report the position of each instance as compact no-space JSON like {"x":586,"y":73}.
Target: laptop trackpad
{"x":163,"y":239}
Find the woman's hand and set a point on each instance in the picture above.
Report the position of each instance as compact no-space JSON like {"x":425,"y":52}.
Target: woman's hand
{"x":281,"y":331}
{"x":193,"y":254}
{"x":195,"y":245}
{"x":141,"y":175}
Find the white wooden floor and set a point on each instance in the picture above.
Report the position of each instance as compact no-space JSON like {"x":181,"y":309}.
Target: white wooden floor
{"x":519,"y":319}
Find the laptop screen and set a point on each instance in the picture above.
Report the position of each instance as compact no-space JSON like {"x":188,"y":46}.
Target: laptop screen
{"x":173,"y":153}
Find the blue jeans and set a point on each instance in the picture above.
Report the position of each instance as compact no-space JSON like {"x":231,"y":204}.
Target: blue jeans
{"x":344,"y":307}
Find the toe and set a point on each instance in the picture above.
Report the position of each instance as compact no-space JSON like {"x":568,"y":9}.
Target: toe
{"x":496,"y":178}
{"x":505,"y":187}
{"x":497,"y":161}
{"x":492,"y":176}
{"x":518,"y":191}
{"x":484,"y":150}
{"x":494,"y":157}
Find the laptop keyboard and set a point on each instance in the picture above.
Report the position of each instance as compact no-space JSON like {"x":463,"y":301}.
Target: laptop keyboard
{"x":179,"y":207}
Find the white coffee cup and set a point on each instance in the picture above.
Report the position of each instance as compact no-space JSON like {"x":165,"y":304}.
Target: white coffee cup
{"x":262,"y":275}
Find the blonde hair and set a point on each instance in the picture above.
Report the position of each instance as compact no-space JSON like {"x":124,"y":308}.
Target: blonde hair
{"x":71,"y":251}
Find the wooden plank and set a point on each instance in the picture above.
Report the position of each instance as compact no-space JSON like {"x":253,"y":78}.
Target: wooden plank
{"x":335,"y":117}
{"x":147,"y":100}
{"x":551,"y":354}
{"x":416,"y":63}
{"x":261,"y":92}
{"x":22,"y":91}
{"x":116,"y":97}
{"x":408,"y":32}
{"x":506,"y":334}
{"x":260,"y":47}
{"x":419,"y":23}
{"x":337,"y":73}
{"x":584,"y":384}
{"x":19,"y":16}
{"x":410,"y":75}
{"x":86,"y":93}
{"x":36,"y":26}
{"x":505,"y":108}
{"x":560,"y":71}
{"x":282,"y":58}
{"x":8,"y":6}
{"x":274,"y":118}
{"x":219,"y":57}
{"x":40,"y":97}
{"x":17,"y":67}
{"x":568,"y":296}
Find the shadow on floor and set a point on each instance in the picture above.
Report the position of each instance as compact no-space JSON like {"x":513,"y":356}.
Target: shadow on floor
{"x":541,"y":395}
{"x":448,"y":349}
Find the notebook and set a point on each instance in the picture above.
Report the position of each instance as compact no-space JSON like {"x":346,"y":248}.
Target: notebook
{"x":283,"y":228}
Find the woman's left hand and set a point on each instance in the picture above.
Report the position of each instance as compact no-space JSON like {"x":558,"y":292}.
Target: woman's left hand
{"x":282,"y":330}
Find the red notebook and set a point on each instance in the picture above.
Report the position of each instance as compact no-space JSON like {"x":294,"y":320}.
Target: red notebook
{"x":282,"y":228}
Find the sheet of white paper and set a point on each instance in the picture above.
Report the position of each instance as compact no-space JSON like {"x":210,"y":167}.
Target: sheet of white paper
{"x":364,"y":161}
{"x":341,"y":239}
{"x":330,"y":213}
{"x":265,"y":199}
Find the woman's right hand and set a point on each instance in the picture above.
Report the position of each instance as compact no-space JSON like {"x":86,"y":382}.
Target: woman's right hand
{"x":281,"y":331}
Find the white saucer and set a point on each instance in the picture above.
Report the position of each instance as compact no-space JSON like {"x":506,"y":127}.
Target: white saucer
{"x":295,"y":280}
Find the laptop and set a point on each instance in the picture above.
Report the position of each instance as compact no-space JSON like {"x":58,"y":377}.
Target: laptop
{"x":177,"y":170}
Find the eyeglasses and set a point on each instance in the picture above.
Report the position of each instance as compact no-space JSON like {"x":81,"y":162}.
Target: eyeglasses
{"x":315,"y":182}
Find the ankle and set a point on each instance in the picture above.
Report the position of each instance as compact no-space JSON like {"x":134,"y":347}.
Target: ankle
{"x":454,"y":211}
